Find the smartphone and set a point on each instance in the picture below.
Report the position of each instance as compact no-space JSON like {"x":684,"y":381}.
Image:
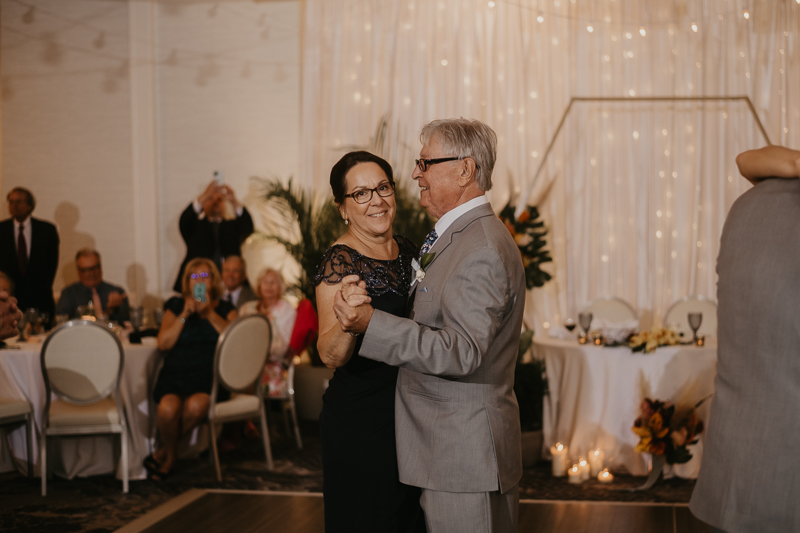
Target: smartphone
{"x":218,"y":177}
{"x":200,"y":292}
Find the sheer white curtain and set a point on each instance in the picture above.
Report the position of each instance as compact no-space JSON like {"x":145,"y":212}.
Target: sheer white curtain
{"x":634,"y":194}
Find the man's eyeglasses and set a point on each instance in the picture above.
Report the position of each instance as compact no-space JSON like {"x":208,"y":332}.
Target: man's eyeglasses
{"x":423,"y":164}
{"x":89,"y":268}
{"x":363,"y":196}
{"x":200,"y":275}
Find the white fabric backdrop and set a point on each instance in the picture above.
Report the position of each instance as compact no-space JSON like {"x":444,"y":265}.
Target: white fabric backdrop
{"x":634,"y":194}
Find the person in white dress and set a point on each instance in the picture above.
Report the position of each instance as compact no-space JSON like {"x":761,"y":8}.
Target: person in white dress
{"x":270,"y":289}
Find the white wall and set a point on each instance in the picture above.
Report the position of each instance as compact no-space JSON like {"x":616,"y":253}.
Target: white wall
{"x":115,"y":115}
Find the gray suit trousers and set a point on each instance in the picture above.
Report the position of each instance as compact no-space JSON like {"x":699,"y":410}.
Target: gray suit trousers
{"x":457,"y":512}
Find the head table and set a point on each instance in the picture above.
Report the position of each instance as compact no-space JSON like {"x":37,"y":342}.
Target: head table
{"x":21,"y":377}
{"x":595,"y":393}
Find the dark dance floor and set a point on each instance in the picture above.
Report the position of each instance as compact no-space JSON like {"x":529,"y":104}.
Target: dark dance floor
{"x":97,"y":505}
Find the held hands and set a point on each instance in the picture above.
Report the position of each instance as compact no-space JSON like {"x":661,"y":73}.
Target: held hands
{"x":351,"y":305}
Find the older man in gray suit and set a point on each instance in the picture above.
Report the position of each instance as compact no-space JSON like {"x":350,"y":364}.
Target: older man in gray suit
{"x":750,"y":476}
{"x":457,"y":419}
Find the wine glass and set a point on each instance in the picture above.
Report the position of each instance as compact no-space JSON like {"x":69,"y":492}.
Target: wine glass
{"x":42,"y":322}
{"x":585,"y":320}
{"x":137,"y":317}
{"x":158,"y":315}
{"x":569,"y":324}
{"x":695,"y":319}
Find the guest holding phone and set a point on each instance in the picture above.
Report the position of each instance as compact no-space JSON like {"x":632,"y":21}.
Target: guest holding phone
{"x":189,"y":332}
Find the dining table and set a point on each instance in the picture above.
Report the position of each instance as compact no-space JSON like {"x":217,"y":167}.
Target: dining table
{"x":21,"y":378}
{"x":595,"y":393}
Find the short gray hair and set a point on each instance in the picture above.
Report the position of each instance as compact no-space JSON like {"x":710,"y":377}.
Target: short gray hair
{"x":464,"y":137}
{"x":87,"y":252}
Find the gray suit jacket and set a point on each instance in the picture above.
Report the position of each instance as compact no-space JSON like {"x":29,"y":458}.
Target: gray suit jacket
{"x":750,"y":475}
{"x":457,"y":419}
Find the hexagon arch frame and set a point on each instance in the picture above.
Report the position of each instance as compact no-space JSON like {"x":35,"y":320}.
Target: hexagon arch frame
{"x":580,"y":99}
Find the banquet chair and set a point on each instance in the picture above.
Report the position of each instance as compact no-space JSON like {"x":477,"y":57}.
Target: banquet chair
{"x":286,"y":397}
{"x":242,"y":351}
{"x":15,"y":411}
{"x":610,"y":309}
{"x":677,"y":315}
{"x":82,"y":364}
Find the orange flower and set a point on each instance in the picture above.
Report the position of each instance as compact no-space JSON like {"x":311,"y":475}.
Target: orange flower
{"x":658,"y":447}
{"x":524,"y":216}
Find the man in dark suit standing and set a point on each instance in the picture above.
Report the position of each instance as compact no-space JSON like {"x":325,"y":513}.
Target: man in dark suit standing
{"x":205,"y":231}
{"x":29,"y":253}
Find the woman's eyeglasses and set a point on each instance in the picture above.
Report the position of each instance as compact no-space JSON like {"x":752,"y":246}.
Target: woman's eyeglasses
{"x":363,"y":196}
{"x":199,"y":276}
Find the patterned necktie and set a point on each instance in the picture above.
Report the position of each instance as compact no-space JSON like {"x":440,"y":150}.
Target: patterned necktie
{"x":97,"y":302}
{"x":22,"y":252}
{"x":429,"y":240}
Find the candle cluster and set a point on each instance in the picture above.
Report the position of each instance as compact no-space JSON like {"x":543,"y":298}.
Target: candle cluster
{"x":584,"y":469}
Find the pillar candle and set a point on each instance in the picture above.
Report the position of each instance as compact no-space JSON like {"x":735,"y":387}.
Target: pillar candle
{"x":605,"y":476}
{"x":596,"y":458}
{"x":559,"y":453}
{"x":575,"y":474}
{"x":585,"y":468}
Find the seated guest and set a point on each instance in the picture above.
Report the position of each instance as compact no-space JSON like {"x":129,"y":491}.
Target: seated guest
{"x":9,"y":314}
{"x":189,"y":331}
{"x":281,"y":314}
{"x":6,"y":285}
{"x":108,"y":300}
{"x":234,"y":278}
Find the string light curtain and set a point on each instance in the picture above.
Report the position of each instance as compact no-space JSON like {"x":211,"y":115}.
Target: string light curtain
{"x":634,"y":194}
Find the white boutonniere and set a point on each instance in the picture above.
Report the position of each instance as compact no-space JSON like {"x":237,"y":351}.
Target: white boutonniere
{"x":419,"y":267}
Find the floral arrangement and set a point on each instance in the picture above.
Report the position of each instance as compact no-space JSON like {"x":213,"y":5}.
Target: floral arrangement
{"x":648,"y":341}
{"x":529,"y":235}
{"x":662,"y":431}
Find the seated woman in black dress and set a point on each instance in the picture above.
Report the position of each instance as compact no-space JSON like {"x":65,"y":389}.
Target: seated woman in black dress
{"x":189,"y":332}
{"x":361,"y":487}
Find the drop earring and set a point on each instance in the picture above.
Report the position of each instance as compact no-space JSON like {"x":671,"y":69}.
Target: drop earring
{"x":346,"y":222}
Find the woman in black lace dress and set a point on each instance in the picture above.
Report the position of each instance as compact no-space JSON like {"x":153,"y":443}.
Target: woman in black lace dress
{"x":360,"y":479}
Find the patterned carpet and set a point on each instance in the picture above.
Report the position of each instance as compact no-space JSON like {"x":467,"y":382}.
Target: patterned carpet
{"x":97,"y":505}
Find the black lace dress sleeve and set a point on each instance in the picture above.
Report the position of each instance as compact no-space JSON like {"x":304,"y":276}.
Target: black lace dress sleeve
{"x":381,"y":275}
{"x":339,"y":261}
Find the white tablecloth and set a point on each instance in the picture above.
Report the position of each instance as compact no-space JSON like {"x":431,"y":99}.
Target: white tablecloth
{"x":595,"y":394}
{"x":21,"y":377}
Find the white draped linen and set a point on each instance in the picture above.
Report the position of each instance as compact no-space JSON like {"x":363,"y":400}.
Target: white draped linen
{"x":634,"y":194}
{"x":595,"y":393}
{"x":21,"y":377}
